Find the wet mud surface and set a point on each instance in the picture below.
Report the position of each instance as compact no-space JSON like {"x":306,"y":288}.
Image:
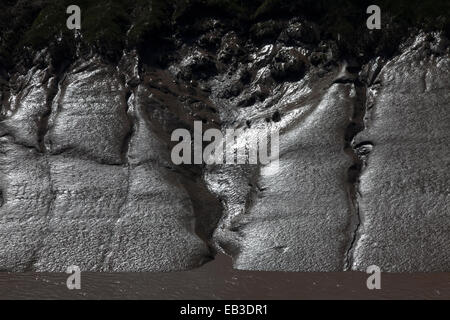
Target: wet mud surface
{"x":86,"y":175}
{"x":217,"y":280}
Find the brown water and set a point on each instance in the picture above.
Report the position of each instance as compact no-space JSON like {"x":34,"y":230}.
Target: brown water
{"x":217,"y":280}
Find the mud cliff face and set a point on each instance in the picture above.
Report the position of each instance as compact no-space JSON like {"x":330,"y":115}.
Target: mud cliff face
{"x":87,"y":179}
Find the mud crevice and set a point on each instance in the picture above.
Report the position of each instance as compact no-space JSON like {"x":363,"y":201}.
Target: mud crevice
{"x":357,"y":152}
{"x":43,"y":127}
{"x":53,"y":95}
{"x":172,"y":111}
{"x":131,"y":124}
{"x":43,"y":124}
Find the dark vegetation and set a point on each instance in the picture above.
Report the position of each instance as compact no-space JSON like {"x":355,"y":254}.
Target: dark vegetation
{"x":109,"y":26}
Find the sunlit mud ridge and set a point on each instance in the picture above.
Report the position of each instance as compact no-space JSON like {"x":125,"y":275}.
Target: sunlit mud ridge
{"x":86,"y":175}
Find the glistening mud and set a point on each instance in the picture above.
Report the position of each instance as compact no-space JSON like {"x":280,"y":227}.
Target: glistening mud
{"x":86,"y":173}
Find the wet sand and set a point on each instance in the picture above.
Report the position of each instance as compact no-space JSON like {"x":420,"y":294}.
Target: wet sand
{"x":217,"y":280}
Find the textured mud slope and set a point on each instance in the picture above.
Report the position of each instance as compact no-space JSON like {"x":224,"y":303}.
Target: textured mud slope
{"x":316,"y":213}
{"x":403,"y":195}
{"x":86,"y":177}
{"x":86,"y":182}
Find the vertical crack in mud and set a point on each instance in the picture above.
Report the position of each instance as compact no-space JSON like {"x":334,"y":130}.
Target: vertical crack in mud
{"x":43,"y":124}
{"x":131,"y":122}
{"x":43,"y":128}
{"x":357,"y":153}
